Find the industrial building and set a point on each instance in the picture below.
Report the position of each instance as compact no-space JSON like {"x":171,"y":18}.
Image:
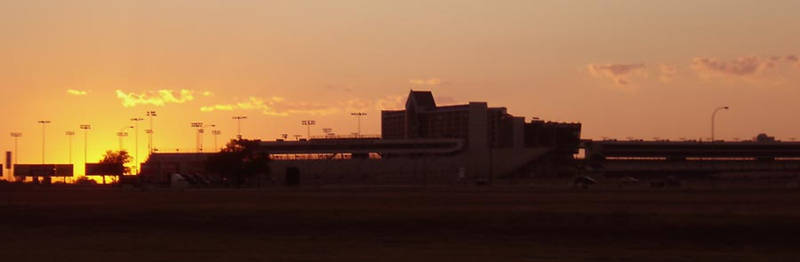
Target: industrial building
{"x":424,"y":143}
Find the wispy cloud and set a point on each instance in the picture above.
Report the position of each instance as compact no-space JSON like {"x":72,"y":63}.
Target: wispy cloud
{"x":667,"y":72}
{"x":77,"y":92}
{"x":273,"y":106}
{"x":156,"y":98}
{"x":741,"y":66}
{"x":620,"y":74}
{"x":426,"y":82}
{"x":793,"y":59}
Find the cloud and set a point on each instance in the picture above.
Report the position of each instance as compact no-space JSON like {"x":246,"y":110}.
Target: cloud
{"x":793,"y":59}
{"x":741,"y":66}
{"x":426,"y":82}
{"x":76,"y":92}
{"x":217,"y":108}
{"x":395,"y":102}
{"x":621,"y":74}
{"x":156,"y":98}
{"x":273,"y":106}
{"x":667,"y":73}
{"x":208,"y":93}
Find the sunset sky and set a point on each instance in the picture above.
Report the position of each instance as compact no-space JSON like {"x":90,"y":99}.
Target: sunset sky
{"x":639,"y":69}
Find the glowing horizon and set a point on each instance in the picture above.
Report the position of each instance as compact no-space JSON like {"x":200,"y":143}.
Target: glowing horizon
{"x":622,"y":68}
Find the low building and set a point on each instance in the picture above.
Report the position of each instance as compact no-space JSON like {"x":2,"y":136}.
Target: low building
{"x":160,"y":167}
{"x":762,"y":156}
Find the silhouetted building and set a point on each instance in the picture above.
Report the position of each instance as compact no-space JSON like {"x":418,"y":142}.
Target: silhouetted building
{"x":424,"y":143}
{"x":477,"y":124}
{"x":761,"y":156}
{"x":159,"y":167}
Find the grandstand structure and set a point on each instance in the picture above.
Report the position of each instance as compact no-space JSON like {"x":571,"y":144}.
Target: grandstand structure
{"x":642,"y":158}
{"x":423,"y":143}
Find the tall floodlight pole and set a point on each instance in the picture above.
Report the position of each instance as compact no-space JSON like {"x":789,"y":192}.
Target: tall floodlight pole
{"x":43,"y":122}
{"x":199,"y":138}
{"x":239,"y":126}
{"x":16,"y":135}
{"x":358,"y":115}
{"x":136,"y":143}
{"x":85,"y":129}
{"x":150,"y":114}
{"x":70,"y":134}
{"x":713,"y":115}
{"x":308,"y":124}
{"x":216,"y":133}
{"x":122,"y":134}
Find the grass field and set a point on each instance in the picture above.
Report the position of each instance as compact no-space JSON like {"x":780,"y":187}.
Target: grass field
{"x":457,"y":223}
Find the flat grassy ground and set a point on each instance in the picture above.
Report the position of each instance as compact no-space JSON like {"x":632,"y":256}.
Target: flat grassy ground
{"x":454,"y":223}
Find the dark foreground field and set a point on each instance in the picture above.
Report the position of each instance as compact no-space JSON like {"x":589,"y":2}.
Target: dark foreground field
{"x":401,"y":224}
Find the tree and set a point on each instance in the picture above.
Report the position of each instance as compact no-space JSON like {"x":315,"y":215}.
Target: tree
{"x":117,"y":159}
{"x":239,"y":162}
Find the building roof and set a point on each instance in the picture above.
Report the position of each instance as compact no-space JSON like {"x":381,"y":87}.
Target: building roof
{"x":421,"y":100}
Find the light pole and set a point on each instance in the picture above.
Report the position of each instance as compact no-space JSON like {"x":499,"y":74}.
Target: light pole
{"x":121,"y":134}
{"x":308,"y":124}
{"x":136,"y":143}
{"x":714,"y":115}
{"x":216,"y":133}
{"x":15,"y":135}
{"x":70,"y":134}
{"x":358,"y":115}
{"x":150,"y":114}
{"x":199,"y":138}
{"x":212,"y":126}
{"x":239,"y":126}
{"x":85,"y":129}
{"x":43,"y":122}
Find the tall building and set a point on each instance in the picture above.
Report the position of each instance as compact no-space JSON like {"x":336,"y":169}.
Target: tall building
{"x":490,"y":134}
{"x":476,"y":123}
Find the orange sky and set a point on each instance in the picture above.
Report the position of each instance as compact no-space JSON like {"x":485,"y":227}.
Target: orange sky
{"x":640,"y":69}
